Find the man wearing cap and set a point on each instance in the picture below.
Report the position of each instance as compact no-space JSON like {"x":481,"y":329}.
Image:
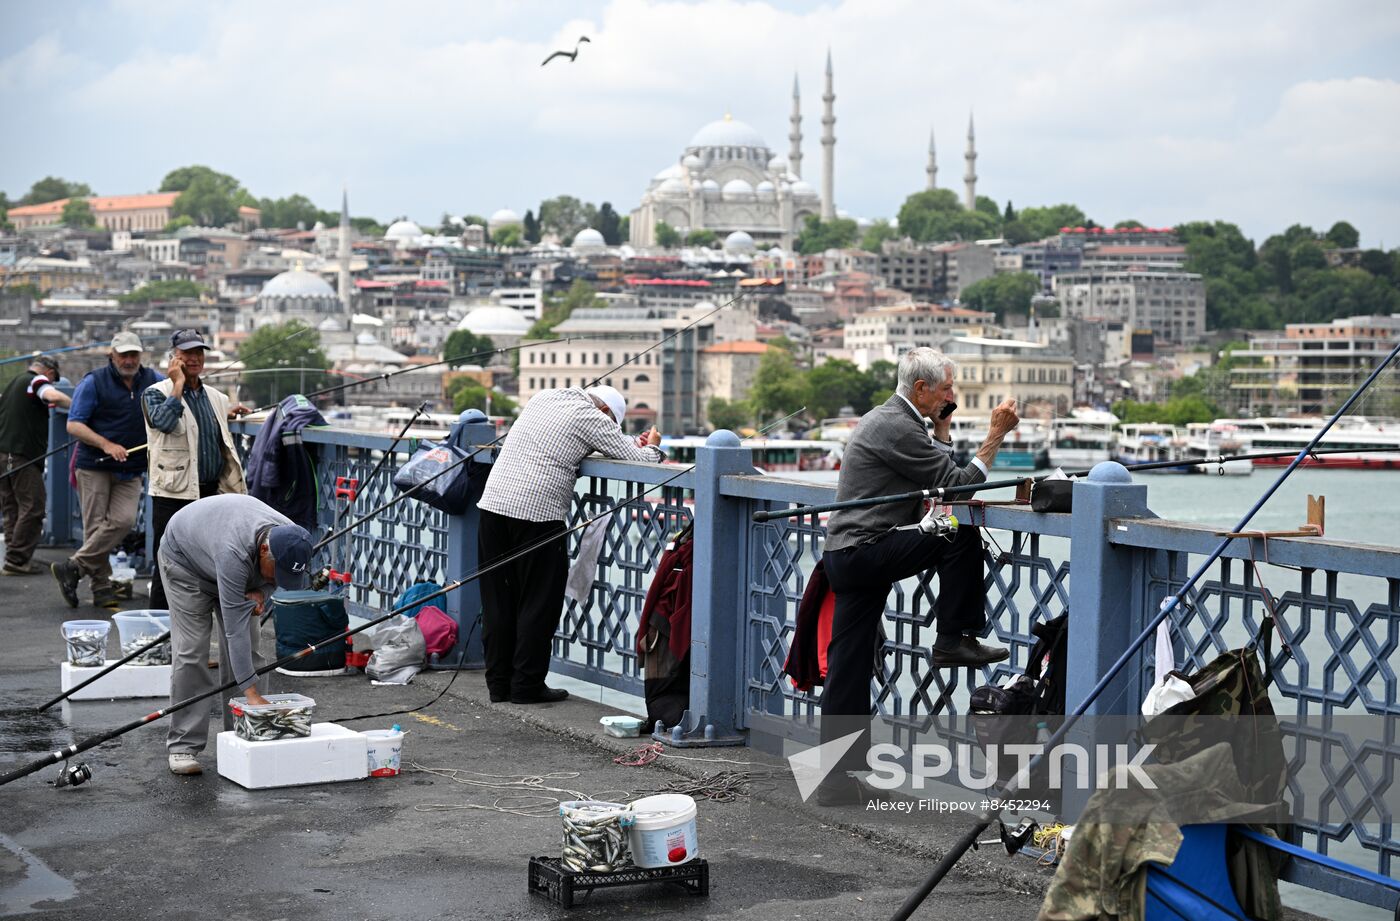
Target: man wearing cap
{"x":220,"y":560}
{"x":190,"y":448}
{"x":527,"y":501}
{"x":24,"y":438}
{"x":106,"y":420}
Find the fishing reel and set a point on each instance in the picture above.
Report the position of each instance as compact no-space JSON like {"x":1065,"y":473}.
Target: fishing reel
{"x":72,"y":775}
{"x":938,"y":521}
{"x":321,"y":579}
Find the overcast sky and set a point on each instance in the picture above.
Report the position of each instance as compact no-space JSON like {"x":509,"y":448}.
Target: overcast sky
{"x":1264,"y":114}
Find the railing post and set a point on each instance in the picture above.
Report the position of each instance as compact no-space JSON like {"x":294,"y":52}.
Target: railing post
{"x":58,"y":522}
{"x":716,"y":713}
{"x":1101,"y":624}
{"x":464,"y":604}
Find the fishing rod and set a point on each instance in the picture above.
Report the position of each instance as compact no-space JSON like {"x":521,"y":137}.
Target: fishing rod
{"x":954,"y":491}
{"x":457,"y":463}
{"x":30,"y":356}
{"x":963,"y":844}
{"x":776,"y":422}
{"x":388,"y":453}
{"x":69,"y":751}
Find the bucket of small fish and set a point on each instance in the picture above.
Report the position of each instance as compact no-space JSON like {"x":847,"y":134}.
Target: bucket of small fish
{"x":137,"y":629}
{"x":284,"y":716}
{"x":87,"y":642}
{"x":595,"y":836}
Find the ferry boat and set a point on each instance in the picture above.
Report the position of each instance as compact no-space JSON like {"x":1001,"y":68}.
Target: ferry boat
{"x":1212,"y":439}
{"x":1150,"y":443}
{"x":774,"y":455}
{"x":1370,"y":444}
{"x":839,"y":428}
{"x":1082,"y":439}
{"x":1026,"y":447}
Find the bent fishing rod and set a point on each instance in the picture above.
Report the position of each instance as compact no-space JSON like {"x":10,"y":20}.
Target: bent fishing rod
{"x":69,"y":751}
{"x":30,"y":356}
{"x":963,"y":844}
{"x":951,"y":492}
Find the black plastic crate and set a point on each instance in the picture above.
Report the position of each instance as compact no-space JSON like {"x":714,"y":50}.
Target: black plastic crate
{"x":556,"y":882}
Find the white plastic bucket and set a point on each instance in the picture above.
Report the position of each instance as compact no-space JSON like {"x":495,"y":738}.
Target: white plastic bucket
{"x":662,"y":833}
{"x":385,"y":751}
{"x":87,"y":642}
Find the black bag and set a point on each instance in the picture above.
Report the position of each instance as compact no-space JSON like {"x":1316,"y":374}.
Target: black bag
{"x":444,"y":475}
{"x":1052,"y":496}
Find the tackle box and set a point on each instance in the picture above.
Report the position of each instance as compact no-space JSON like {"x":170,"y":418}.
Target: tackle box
{"x":284,"y":716}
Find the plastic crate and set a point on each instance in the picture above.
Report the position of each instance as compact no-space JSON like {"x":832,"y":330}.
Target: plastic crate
{"x":556,"y":882}
{"x":267,"y":722}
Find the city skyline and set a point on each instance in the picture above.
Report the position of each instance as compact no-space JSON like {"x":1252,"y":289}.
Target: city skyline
{"x":1197,"y":112}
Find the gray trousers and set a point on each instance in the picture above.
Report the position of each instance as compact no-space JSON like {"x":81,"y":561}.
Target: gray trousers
{"x":22,"y":498}
{"x":193,"y":612}
{"x":109,"y":513}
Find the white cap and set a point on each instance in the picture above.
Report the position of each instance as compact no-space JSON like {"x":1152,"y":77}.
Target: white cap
{"x":615,"y":401}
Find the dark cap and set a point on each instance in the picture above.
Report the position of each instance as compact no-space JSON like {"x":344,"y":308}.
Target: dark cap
{"x":48,"y":361}
{"x":290,"y":547}
{"x":185,"y":339}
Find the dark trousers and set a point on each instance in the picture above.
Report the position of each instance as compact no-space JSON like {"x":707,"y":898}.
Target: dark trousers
{"x":522,"y":601}
{"x":22,"y":501}
{"x":862,"y":577}
{"x":163,"y":508}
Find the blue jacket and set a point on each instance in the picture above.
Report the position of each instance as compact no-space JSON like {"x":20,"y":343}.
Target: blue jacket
{"x":105,"y":404}
{"x":280,"y":470}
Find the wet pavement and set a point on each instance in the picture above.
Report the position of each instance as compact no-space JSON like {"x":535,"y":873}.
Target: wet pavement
{"x":139,"y":842}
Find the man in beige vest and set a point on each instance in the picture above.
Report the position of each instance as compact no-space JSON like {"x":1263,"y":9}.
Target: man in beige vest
{"x":191,"y":449}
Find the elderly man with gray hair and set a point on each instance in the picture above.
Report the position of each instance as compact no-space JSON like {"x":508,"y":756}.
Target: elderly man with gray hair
{"x":869,"y":549}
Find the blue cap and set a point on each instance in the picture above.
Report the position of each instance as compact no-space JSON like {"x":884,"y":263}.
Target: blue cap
{"x":290,"y":547}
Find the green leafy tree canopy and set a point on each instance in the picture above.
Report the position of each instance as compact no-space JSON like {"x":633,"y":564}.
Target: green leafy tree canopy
{"x":211,"y":198}
{"x":726,"y":414}
{"x":173,"y":289}
{"x":270,"y":349}
{"x":52,"y":188}
{"x":78,"y":213}
{"x":468,"y":393}
{"x":667,"y":236}
{"x":1003,"y":295}
{"x":818,"y":236}
{"x":462,"y":343}
{"x":565,"y":215}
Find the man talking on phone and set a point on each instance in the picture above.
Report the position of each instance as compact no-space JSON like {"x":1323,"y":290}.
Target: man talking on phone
{"x":869,"y":549}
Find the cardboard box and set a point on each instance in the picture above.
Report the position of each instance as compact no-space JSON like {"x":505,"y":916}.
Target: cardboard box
{"x":123,"y":681}
{"x":330,"y":754}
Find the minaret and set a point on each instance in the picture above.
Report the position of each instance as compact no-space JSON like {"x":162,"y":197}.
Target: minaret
{"x":828,"y":147}
{"x":344,"y":257}
{"x":795,"y":132}
{"x":970,"y":177}
{"x":932,"y":168}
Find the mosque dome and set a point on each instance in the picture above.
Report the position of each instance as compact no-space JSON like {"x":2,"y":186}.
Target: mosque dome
{"x":330,"y":325}
{"x":728,"y":132}
{"x":690,"y":161}
{"x":588,"y":238}
{"x":671,"y":172}
{"x":495,"y":321}
{"x":401,"y":231}
{"x":843,"y":214}
{"x":673,"y":188}
{"x":297,"y":283}
{"x":765,"y":190}
{"x":803,"y":189}
{"x":709,"y":188}
{"x":366,"y":338}
{"x":737,"y":190}
{"x":777,"y":252}
{"x":503,"y":218}
{"x":779,"y":165}
{"x":738,"y":242}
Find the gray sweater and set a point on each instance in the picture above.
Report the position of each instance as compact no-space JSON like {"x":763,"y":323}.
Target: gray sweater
{"x":216,"y":541}
{"x":890,"y":452}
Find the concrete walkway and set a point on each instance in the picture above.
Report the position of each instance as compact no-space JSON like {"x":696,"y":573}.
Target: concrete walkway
{"x":138,"y":842}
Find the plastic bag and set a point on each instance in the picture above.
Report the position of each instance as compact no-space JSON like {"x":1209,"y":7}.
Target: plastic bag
{"x":399,"y":650}
{"x":441,"y":470}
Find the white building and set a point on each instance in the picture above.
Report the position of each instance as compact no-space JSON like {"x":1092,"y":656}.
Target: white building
{"x":1171,"y":304}
{"x":885,"y":334}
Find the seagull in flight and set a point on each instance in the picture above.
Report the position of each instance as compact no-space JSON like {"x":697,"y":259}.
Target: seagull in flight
{"x":571,"y":55}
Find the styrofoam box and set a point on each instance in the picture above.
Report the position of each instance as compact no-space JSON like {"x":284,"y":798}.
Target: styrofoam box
{"x":123,"y":681}
{"x":331,"y":753}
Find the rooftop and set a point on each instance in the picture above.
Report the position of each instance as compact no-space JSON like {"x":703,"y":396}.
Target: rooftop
{"x":101,"y":203}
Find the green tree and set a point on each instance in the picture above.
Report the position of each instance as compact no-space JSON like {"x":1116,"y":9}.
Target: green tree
{"x":176,"y":223}
{"x":566,"y":216}
{"x":705,"y":239}
{"x":884,"y":378}
{"x":52,"y":188}
{"x":1009,"y":214}
{"x":667,"y":236}
{"x":508,"y":236}
{"x":1047,"y":221}
{"x":467,"y":393}
{"x":818,"y":236}
{"x":1129,"y":224}
{"x":463,"y":343}
{"x":271,"y":349}
{"x":609,"y":224}
{"x":624,"y":228}
{"x":581,"y":295}
{"x":1005,"y":294}
{"x":532,"y":227}
{"x":211,"y":198}
{"x":936,"y":215}
{"x":878,"y":233}
{"x":292,"y":211}
{"x":835,"y":384}
{"x":779,"y":387}
{"x":984,"y":205}
{"x":368,"y":226}
{"x":724,"y":414}
{"x":167,"y":290}
{"x":78,"y":213}
{"x":1344,"y":235}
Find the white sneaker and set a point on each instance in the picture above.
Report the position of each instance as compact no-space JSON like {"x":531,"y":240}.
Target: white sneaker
{"x":184,"y":763}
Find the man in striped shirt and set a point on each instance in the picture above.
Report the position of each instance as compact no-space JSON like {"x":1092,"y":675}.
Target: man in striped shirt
{"x":525,"y":503}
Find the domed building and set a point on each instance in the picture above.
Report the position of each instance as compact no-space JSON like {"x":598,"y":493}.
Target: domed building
{"x":504,"y":326}
{"x":503,"y":218}
{"x":404,"y":234}
{"x":299,"y":295}
{"x":589,"y":240}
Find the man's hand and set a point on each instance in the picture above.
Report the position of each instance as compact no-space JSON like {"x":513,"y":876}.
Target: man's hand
{"x":254,"y":697}
{"x":1004,"y":417}
{"x":115,"y":451}
{"x":176,"y":371}
{"x":239,"y":410}
{"x":652,"y":439}
{"x":258,"y":600}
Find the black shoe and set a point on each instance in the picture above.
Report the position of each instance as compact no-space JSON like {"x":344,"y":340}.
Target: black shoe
{"x":67,"y":575}
{"x":543,"y":696}
{"x":966,"y":651}
{"x":106,"y":598}
{"x":498,"y":698}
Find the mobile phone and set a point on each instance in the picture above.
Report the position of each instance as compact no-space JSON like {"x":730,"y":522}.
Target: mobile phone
{"x":947,"y":410}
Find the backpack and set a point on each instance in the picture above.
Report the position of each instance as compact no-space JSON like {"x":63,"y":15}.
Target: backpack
{"x":439,"y":630}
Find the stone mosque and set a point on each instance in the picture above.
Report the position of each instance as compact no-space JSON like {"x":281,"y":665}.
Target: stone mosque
{"x":730,"y":182}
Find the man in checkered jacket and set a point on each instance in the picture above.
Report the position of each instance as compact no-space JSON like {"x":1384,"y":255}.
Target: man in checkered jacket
{"x":527,"y":501}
